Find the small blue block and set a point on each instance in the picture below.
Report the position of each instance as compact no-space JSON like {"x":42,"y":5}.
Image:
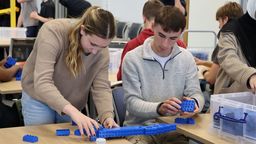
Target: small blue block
{"x":73,"y":123}
{"x":190,"y":121}
{"x":9,"y":62}
{"x":188,"y":106}
{"x":62,"y":132}
{"x":77,"y":132}
{"x":93,"y":138}
{"x":18,"y":74}
{"x":30,"y":138}
{"x":184,"y":121}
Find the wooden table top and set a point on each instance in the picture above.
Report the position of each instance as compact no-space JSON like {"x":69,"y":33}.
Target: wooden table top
{"x":10,"y":87}
{"x":46,"y":135}
{"x":201,"y":131}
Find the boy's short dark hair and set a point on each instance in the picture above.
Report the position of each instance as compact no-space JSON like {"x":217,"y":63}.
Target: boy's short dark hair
{"x":170,"y":19}
{"x":151,"y":8}
{"x":232,"y":10}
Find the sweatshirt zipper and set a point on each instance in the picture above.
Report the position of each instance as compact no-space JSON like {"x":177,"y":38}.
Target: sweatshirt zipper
{"x":163,"y":68}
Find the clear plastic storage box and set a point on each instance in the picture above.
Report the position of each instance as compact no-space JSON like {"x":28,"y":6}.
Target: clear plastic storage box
{"x":115,"y":59}
{"x":9,"y":32}
{"x":235,"y":114}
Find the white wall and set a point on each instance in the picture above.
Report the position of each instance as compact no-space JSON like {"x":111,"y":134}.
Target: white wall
{"x":123,"y":10}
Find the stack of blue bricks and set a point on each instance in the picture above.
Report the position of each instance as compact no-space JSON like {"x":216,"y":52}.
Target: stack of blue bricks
{"x":11,"y":62}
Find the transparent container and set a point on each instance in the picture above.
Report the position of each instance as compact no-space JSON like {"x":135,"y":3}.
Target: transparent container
{"x":234,"y":114}
{"x":115,"y":59}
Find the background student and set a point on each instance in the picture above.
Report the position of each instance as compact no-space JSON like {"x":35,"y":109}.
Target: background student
{"x":227,"y":12}
{"x":237,"y":54}
{"x":70,"y":59}
{"x":150,"y":10}
{"x":27,"y":6}
{"x":180,"y":4}
{"x":75,"y":8}
{"x":158,"y":75}
{"x":47,"y":12}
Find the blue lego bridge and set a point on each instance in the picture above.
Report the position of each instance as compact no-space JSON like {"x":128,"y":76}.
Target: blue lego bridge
{"x":133,"y":130}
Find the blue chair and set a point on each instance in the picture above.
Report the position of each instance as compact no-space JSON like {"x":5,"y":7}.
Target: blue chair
{"x":121,"y":28}
{"x":119,"y":105}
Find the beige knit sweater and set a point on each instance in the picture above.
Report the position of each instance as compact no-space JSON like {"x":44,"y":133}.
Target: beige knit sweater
{"x":47,"y":78}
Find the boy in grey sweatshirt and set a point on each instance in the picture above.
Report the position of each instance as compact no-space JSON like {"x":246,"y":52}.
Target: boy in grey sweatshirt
{"x":158,"y":75}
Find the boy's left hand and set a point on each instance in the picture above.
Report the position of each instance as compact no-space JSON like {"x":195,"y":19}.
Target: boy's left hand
{"x":110,"y":123}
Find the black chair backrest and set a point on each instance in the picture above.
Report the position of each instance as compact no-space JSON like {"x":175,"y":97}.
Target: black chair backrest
{"x":134,"y":30}
{"x":20,"y":48}
{"x":121,"y":29}
{"x":119,"y":104}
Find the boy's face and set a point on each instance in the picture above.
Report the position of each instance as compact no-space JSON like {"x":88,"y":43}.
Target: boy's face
{"x":222,"y":21}
{"x":164,"y":41}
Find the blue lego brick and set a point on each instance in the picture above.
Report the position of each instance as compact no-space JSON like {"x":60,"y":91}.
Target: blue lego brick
{"x":73,"y":123}
{"x":93,"y":138}
{"x":9,"y":62}
{"x":120,"y":131}
{"x":133,"y":130}
{"x":188,"y":106}
{"x":190,"y":121}
{"x":30,"y":138}
{"x":185,"y":121}
{"x":62,"y":132}
{"x":77,"y":132}
{"x":18,"y":74}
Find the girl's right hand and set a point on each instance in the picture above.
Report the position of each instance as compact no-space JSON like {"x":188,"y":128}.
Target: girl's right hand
{"x":82,"y":121}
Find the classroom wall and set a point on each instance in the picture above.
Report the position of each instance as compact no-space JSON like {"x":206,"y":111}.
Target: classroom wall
{"x":123,"y":10}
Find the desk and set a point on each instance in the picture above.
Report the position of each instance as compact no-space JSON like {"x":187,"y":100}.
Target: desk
{"x":46,"y":135}
{"x":201,"y":131}
{"x":11,"y":87}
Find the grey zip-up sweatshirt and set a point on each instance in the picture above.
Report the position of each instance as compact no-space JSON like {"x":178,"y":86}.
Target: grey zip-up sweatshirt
{"x":147,"y":84}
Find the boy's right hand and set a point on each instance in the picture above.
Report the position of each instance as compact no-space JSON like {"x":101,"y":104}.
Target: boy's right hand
{"x":170,"y":106}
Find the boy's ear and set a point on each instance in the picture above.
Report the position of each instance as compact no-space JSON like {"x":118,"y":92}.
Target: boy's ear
{"x":144,"y":19}
{"x":225,"y":19}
